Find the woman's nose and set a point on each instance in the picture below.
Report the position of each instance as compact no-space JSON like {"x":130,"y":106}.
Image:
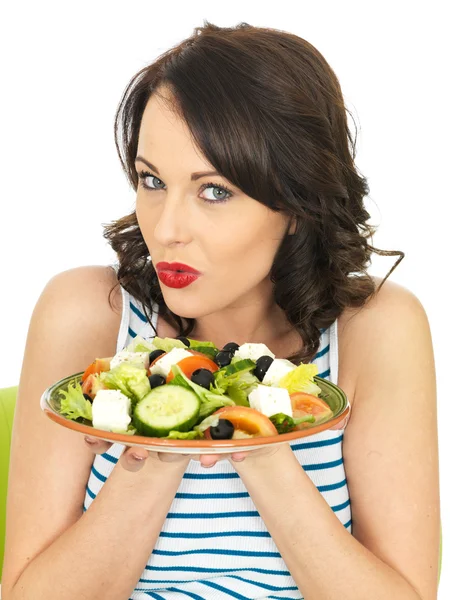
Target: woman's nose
{"x":173,"y":222}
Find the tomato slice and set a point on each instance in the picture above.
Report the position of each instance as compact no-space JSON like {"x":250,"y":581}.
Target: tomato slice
{"x":99,"y":365}
{"x":306,"y":404}
{"x":245,"y":420}
{"x":191,"y":363}
{"x":91,"y":385}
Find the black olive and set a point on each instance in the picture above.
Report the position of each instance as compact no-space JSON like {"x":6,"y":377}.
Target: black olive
{"x":202,"y":377}
{"x":262,"y":366}
{"x":231,"y":347}
{"x":156,"y":380}
{"x":87,"y":397}
{"x":154,"y":355}
{"x":223,"y":431}
{"x":183,"y":339}
{"x":223,"y":358}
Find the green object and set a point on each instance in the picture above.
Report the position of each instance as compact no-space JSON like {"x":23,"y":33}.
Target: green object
{"x":7,"y":404}
{"x":284,"y":423}
{"x":167,"y":344}
{"x":73,"y":404}
{"x":166,"y":408}
{"x":210,"y":400}
{"x":129,"y":379}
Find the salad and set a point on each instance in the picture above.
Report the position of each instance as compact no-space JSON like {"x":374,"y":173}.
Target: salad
{"x":180,"y":388}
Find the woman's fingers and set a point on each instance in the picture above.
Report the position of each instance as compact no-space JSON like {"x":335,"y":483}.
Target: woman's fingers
{"x":97,"y":446}
{"x":133,"y":459}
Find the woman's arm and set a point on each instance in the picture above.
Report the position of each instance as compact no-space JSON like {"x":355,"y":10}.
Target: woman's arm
{"x":53,"y":550}
{"x":391,"y":463}
{"x":103,"y":554}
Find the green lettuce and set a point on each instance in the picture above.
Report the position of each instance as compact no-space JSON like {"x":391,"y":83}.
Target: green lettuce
{"x":130,"y":430}
{"x":301,"y":379}
{"x":129,"y":379}
{"x":210,"y":400}
{"x":140,"y":344}
{"x":237,"y":385}
{"x":167,"y":344}
{"x":183,"y":435}
{"x":73,"y":404}
{"x":207,"y":348}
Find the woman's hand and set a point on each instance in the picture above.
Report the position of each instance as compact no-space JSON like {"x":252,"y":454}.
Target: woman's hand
{"x":209,"y":460}
{"x":133,"y":459}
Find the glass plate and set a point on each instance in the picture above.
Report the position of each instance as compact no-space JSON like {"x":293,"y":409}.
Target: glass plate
{"x":331,"y":393}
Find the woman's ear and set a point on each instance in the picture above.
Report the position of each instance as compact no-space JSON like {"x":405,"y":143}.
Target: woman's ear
{"x":292,"y":225}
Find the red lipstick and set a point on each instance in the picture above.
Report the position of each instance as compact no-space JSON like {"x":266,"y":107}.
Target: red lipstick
{"x":176,"y":275}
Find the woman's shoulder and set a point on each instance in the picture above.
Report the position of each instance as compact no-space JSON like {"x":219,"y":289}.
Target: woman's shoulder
{"x":364,"y":331}
{"x":92,"y":291}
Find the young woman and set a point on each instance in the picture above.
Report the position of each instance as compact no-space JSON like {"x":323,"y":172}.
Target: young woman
{"x":237,"y":145}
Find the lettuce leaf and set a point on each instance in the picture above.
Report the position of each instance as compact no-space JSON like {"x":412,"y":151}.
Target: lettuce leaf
{"x":129,"y":379}
{"x":167,"y":344}
{"x":73,"y":404}
{"x":207,"y":348}
{"x":183,"y":435}
{"x":301,"y":379}
{"x":210,"y":400}
{"x":237,"y":386}
{"x":140,"y":344}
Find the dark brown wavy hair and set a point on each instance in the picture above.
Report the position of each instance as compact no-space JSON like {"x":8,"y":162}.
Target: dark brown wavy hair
{"x":267,"y":111}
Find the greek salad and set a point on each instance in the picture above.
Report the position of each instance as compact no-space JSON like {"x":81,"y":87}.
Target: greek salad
{"x":180,"y":388}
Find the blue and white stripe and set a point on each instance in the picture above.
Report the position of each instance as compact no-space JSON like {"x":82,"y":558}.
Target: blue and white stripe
{"x":214,"y":545}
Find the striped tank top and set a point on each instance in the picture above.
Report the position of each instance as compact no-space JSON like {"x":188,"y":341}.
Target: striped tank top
{"x":214,"y":545}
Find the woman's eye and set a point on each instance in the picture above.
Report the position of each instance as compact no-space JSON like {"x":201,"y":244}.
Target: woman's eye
{"x":148,"y":176}
{"x":217,"y":193}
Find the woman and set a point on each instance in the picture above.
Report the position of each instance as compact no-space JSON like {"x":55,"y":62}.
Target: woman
{"x":279,"y":234}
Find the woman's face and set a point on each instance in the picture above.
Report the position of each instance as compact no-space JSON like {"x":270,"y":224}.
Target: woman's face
{"x":229,"y":237}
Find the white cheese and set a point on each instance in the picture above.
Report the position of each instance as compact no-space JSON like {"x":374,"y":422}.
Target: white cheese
{"x":162,"y":367}
{"x":277,"y":370}
{"x":111,"y":410}
{"x":253,"y":351}
{"x":140,"y":359}
{"x":270,"y":401}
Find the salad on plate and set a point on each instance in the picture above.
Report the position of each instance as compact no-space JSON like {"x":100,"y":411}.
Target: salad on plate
{"x":185,"y":389}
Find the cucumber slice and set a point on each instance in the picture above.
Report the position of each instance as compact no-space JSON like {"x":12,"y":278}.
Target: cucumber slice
{"x":166,"y":408}
{"x":237,"y":366}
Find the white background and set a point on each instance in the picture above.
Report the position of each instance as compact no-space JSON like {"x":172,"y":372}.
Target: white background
{"x":65,"y":66}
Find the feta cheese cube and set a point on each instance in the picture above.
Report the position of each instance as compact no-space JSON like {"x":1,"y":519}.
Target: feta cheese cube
{"x":253,"y":351}
{"x":277,"y":370}
{"x":111,"y":410}
{"x":162,"y":367}
{"x":270,"y":401}
{"x":140,"y":359}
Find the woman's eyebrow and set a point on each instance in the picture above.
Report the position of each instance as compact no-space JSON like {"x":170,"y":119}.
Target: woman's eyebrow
{"x":194,"y":176}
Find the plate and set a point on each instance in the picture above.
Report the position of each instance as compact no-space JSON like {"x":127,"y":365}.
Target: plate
{"x":331,"y":393}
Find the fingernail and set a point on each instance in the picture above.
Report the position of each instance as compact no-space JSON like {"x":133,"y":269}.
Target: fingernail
{"x":136,"y":457}
{"x":90,"y":441}
{"x":238,"y":459}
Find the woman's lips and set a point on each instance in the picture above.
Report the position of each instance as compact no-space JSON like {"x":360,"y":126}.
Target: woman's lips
{"x":176,"y":280}
{"x":176,"y":266}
